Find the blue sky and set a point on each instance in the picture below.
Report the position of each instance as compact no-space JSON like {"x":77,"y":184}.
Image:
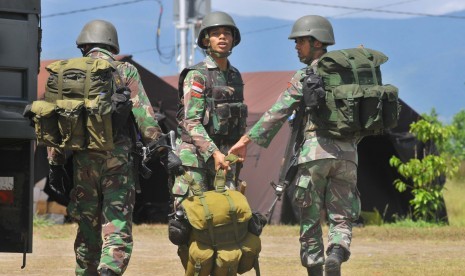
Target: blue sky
{"x":424,"y":39}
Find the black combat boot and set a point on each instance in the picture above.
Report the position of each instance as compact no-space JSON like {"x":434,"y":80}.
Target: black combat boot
{"x":107,"y":272}
{"x":315,"y":270}
{"x":334,"y":260}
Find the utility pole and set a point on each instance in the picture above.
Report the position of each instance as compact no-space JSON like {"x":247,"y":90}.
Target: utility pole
{"x":188,"y":15}
{"x":182,"y":35}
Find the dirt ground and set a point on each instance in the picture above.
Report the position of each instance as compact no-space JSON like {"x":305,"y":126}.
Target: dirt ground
{"x":375,"y":251}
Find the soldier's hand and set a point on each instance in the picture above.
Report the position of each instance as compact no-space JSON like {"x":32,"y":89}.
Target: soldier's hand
{"x":240,"y":148}
{"x":220,"y":163}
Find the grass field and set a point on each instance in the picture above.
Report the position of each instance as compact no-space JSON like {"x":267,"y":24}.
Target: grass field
{"x":454,"y":196}
{"x":399,"y":249}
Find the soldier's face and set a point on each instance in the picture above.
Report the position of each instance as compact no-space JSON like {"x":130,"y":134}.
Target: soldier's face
{"x":220,"y":39}
{"x":302,"y":45}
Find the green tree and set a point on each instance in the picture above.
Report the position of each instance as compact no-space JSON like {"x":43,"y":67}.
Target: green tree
{"x":456,"y":147}
{"x":422,"y":174}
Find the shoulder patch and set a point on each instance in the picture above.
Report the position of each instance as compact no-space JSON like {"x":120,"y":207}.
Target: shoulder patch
{"x":197,"y":86}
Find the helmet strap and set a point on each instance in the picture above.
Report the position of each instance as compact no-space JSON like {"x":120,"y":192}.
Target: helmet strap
{"x":313,"y":51}
{"x":210,"y":52}
{"x":85,"y":49}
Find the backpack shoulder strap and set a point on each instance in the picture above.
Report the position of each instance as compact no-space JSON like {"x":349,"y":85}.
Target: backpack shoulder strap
{"x":116,"y":75}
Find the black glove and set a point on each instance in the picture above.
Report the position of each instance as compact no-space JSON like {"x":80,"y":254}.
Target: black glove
{"x":58,"y":180}
{"x":171,"y":162}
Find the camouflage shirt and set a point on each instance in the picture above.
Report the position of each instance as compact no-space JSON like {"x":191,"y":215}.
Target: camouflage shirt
{"x":198,"y":151}
{"x":142,"y":109}
{"x":314,"y":147}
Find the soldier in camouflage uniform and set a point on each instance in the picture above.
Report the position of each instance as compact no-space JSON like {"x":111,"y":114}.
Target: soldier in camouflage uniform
{"x":103,"y":196}
{"x":212,"y":115}
{"x":327,"y":168}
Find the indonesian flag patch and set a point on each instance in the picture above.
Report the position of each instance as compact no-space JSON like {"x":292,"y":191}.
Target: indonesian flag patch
{"x":196,"y":86}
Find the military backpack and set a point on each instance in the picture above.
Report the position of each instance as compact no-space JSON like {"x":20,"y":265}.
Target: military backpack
{"x":222,"y":238}
{"x":354,"y":102}
{"x":76,"y":113}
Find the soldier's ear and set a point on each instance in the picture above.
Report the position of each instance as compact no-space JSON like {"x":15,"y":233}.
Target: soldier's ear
{"x":317,"y":44}
{"x":206,"y":42}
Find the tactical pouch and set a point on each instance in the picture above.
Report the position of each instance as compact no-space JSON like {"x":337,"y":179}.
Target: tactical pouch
{"x":46,"y":124}
{"x":347,"y":100}
{"x":179,"y":231}
{"x":227,"y":260}
{"x":99,"y":123}
{"x":71,"y":124}
{"x":371,"y":110}
{"x":391,"y":106}
{"x":379,"y":109}
{"x":200,"y":259}
{"x":256,"y":223}
{"x":220,"y":118}
{"x":239,"y":123}
{"x":122,"y":108}
{"x":251,"y":247}
{"x":229,"y":119}
{"x":312,"y":90}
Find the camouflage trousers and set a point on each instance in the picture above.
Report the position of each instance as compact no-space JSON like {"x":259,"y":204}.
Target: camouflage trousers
{"x":326,"y":186}
{"x":102,"y":203}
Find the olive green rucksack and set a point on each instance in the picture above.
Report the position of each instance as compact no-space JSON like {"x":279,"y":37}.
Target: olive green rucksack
{"x":77,"y":110}
{"x":356,"y":103}
{"x":220,"y":241}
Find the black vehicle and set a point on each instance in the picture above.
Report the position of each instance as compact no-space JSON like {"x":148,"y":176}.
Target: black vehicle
{"x":19,"y":66}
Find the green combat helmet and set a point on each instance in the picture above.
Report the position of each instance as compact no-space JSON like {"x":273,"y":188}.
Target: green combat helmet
{"x":99,"y":32}
{"x":315,"y":26}
{"x":218,"y":19}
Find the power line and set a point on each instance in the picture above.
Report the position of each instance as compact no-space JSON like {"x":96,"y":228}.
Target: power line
{"x":365,"y":9}
{"x":280,"y":1}
{"x":287,"y":25}
{"x":378,"y":7}
{"x":94,"y":8}
{"x":164,"y":57}
{"x":267,"y":29}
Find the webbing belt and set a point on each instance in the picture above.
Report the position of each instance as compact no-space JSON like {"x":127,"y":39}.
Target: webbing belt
{"x":223,"y":234}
